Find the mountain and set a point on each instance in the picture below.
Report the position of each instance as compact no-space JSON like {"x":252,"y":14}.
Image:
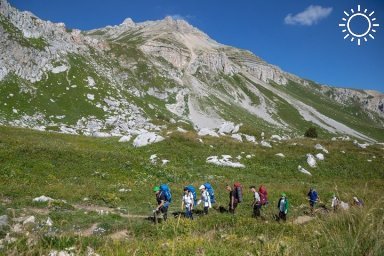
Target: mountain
{"x":154,"y":76}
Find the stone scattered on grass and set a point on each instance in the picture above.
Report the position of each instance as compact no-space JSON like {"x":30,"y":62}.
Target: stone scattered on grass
{"x":146,"y":138}
{"x":265,"y":144}
{"x":125,"y":138}
{"x":280,"y":155}
{"x":302,"y":170}
{"x":224,"y":161}
{"x":42,"y":199}
{"x":311,"y":160}
{"x":3,"y":221}
{"x":320,"y":156}
{"x":49,"y":222}
{"x":320,"y":147}
{"x":29,"y":220}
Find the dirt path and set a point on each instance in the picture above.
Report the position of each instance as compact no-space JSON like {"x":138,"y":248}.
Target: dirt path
{"x":106,"y":210}
{"x":303,"y":219}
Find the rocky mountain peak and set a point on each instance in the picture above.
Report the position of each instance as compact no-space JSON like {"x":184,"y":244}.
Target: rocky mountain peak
{"x":128,"y":22}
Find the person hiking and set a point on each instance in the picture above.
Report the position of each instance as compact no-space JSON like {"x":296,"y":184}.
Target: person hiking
{"x":256,"y":204}
{"x":313,"y":198}
{"x":357,"y":202}
{"x":283,"y":205}
{"x":205,"y":197}
{"x":335,"y":203}
{"x":162,"y":205}
{"x":233,"y":200}
{"x":188,"y":202}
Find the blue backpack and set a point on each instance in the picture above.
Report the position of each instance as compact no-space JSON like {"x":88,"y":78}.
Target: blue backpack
{"x":211,"y":192}
{"x":167,"y":192}
{"x":193,"y":191}
{"x":313,"y":196}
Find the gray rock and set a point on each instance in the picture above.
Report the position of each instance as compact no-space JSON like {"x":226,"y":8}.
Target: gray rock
{"x":3,"y":221}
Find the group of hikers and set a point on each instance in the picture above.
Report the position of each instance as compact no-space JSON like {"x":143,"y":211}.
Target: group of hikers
{"x":190,"y":200}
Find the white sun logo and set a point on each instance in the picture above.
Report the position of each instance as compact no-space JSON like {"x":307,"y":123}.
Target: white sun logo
{"x":347,"y":25}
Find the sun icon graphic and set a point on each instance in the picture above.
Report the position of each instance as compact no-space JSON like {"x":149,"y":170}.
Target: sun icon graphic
{"x":347,"y":25}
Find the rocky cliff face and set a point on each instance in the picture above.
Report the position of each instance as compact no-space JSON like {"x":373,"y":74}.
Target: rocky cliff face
{"x":370,"y":100}
{"x":120,"y":80}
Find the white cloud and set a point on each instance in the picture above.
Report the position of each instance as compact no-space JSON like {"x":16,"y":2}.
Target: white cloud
{"x":180,"y":17}
{"x":310,"y":16}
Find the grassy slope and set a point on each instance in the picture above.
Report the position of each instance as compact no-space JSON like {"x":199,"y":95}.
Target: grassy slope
{"x":74,"y":167}
{"x":351,"y":115}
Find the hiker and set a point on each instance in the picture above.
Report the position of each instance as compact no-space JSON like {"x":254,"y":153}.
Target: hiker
{"x":256,"y":204}
{"x":233,"y":200}
{"x":188,"y":202}
{"x":335,"y":203}
{"x":205,"y":197}
{"x":283,"y":205}
{"x":162,"y":205}
{"x":357,"y":202}
{"x":313,"y":198}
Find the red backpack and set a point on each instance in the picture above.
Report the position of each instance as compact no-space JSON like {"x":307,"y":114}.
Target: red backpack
{"x":263,"y":195}
{"x":238,"y":191}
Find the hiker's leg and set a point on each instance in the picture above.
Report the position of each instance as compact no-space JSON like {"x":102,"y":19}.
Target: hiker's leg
{"x":189,"y":213}
{"x":206,"y":210}
{"x":258,"y":214}
{"x":164,"y":210}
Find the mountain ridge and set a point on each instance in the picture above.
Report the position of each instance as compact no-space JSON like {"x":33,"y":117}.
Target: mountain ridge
{"x":162,"y":71}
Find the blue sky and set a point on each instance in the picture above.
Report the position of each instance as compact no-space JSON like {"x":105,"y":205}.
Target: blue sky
{"x":309,"y":44}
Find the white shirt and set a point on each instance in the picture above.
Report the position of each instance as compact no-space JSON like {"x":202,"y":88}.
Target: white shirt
{"x":335,"y":201}
{"x":206,"y":199}
{"x":188,"y":200}
{"x":257,"y":197}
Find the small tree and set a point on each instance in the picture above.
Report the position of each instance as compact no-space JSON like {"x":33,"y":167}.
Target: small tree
{"x":311,"y":132}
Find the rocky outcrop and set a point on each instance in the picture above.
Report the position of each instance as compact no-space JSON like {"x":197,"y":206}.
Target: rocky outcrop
{"x":29,"y":59}
{"x":369,"y":100}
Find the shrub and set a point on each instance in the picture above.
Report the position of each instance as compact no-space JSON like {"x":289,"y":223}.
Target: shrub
{"x":311,"y":132}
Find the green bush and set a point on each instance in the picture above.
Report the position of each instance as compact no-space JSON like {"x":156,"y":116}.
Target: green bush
{"x":311,"y":132}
